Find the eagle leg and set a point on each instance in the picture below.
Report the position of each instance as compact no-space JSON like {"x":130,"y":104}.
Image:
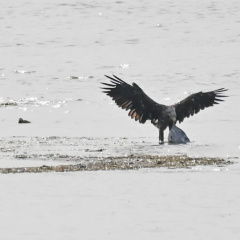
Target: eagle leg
{"x":161,"y":136}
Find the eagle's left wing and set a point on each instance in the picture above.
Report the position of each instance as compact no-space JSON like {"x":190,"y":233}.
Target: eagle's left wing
{"x":198,"y":101}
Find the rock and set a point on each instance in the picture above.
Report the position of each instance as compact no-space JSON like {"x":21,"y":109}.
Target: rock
{"x":23,"y":121}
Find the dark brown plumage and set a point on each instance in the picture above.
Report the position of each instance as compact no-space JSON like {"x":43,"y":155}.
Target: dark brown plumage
{"x":143,"y":108}
{"x":196,"y":102}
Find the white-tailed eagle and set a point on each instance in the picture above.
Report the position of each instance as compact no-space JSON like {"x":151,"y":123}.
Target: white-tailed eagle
{"x":143,"y":108}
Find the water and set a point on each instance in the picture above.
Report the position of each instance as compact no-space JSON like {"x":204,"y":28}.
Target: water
{"x":54,"y":55}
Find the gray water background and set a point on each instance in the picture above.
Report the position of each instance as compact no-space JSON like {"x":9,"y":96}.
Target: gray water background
{"x":54,"y":54}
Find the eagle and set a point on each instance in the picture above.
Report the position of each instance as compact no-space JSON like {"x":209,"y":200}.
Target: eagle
{"x":142,"y":108}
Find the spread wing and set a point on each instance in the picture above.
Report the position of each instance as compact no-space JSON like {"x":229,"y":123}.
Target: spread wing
{"x":198,"y":101}
{"x":132,"y":97}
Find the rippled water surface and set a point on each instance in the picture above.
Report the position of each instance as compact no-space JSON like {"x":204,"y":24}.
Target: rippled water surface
{"x":54,"y":55}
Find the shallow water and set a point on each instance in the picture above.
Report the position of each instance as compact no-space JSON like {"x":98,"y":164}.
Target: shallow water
{"x":54,"y":56}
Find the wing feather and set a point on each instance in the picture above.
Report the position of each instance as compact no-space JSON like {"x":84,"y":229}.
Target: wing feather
{"x":133,"y":98}
{"x":198,"y":101}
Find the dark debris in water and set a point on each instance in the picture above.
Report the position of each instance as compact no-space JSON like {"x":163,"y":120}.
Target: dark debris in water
{"x":131,"y":162}
{"x":23,"y":121}
{"x":7,"y":104}
{"x":95,"y":150}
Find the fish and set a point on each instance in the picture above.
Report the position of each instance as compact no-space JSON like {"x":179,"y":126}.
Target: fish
{"x":177,"y":135}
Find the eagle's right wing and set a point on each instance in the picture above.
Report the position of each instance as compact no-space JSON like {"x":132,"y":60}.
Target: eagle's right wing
{"x":132,"y":97}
